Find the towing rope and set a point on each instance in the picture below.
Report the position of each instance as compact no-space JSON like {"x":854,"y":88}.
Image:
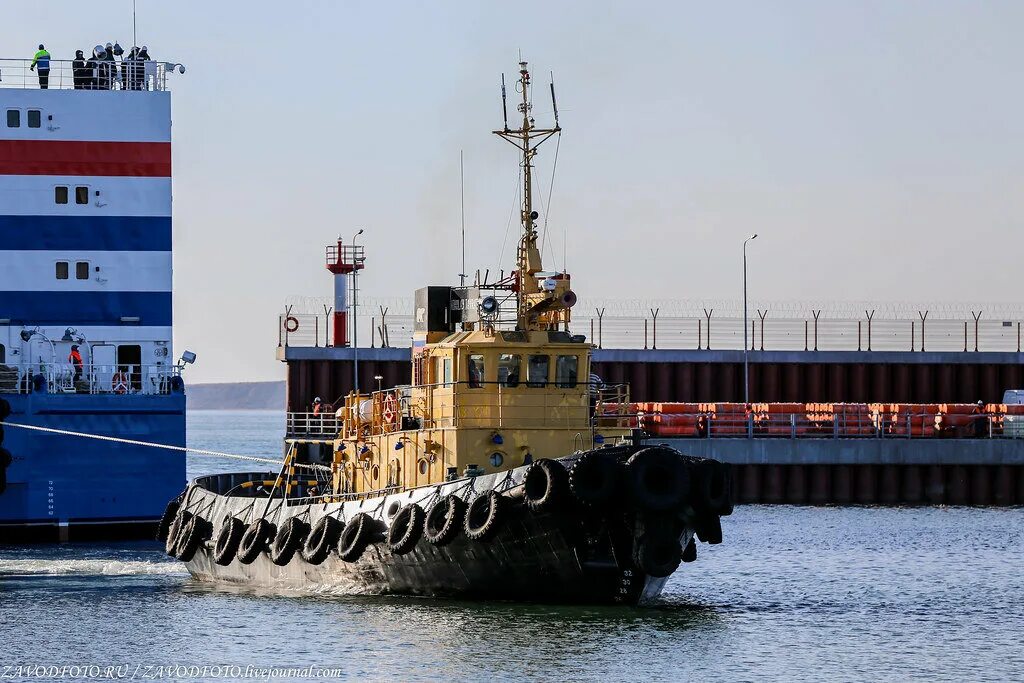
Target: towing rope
{"x":148,"y":444}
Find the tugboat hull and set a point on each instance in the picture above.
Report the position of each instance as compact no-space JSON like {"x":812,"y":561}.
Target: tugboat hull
{"x":571,"y":554}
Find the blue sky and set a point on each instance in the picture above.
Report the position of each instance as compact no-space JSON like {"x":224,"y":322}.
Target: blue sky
{"x":874,"y":146}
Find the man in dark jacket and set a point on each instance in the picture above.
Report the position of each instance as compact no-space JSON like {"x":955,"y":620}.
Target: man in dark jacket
{"x":81,"y":74}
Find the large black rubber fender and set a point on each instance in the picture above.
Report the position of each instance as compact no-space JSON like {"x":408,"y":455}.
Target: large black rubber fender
{"x":444,"y":520}
{"x":709,"y":528}
{"x":228,"y":539}
{"x":658,"y":479}
{"x":406,"y":529}
{"x":484,"y":516}
{"x":657,"y":554}
{"x":593,"y":478}
{"x":546,"y":485}
{"x":356,"y":537}
{"x":191,"y":536}
{"x":5,"y":460}
{"x":713,"y":487}
{"x":322,"y":540}
{"x":174,"y":531}
{"x":166,"y":519}
{"x":288,"y":540}
{"x":255,"y":540}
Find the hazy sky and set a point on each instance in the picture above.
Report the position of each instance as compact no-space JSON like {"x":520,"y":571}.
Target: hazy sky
{"x":875,"y":146}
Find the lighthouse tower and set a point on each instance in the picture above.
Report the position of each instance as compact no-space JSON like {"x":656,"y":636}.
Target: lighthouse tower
{"x":343,"y":260}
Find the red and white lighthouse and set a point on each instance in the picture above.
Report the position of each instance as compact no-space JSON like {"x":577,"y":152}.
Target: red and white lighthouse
{"x":343,"y":260}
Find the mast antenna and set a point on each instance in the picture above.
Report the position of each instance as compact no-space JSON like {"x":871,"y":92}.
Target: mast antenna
{"x":504,"y":102}
{"x":554,"y":104}
{"x":135,"y":40}
{"x":462,"y":199}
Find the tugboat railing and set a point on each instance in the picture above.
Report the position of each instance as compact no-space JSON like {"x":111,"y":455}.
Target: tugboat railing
{"x":142,"y":76}
{"x":62,"y":378}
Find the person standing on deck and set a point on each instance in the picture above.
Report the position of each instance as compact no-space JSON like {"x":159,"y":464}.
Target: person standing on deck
{"x":41,"y":65}
{"x":75,"y":358}
{"x":81,"y":73}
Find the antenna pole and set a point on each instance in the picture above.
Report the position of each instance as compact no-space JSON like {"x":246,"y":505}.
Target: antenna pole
{"x":462,"y":198}
{"x":554,"y":104}
{"x":135,"y":40}
{"x":504,"y":102}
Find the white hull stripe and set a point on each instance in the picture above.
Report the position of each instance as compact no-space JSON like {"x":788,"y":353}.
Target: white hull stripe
{"x":36,"y":195}
{"x":109,"y":271}
{"x":80,"y":115}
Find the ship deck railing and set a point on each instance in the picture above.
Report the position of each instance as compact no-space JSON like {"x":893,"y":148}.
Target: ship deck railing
{"x":147,"y":76}
{"x":95,"y":379}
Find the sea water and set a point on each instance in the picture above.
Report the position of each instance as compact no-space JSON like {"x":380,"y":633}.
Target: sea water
{"x":793,"y":593}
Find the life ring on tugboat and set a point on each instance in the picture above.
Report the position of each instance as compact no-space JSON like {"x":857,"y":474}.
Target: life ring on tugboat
{"x":291,"y":324}
{"x":120,"y":383}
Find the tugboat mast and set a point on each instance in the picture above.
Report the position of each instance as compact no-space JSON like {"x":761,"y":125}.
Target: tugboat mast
{"x":527,"y":139}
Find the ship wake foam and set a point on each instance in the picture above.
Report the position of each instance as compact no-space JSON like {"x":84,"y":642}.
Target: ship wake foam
{"x":93,"y":567}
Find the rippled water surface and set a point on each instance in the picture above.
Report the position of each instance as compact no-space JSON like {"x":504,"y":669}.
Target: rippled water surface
{"x":792,"y":594}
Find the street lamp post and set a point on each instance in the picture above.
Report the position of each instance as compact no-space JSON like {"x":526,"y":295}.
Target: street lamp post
{"x":746,"y":364}
{"x":355,"y":316}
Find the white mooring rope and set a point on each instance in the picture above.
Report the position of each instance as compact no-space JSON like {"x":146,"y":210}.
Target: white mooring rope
{"x":185,"y":449}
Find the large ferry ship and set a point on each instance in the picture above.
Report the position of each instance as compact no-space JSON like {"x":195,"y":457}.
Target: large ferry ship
{"x":85,"y":301}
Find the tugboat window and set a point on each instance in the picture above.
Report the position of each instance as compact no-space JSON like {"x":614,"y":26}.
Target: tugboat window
{"x":508,"y":370}
{"x":81,"y":195}
{"x":565,"y":372}
{"x":14,"y":118}
{"x":60,"y":194}
{"x":82,"y":270}
{"x":34,"y":118}
{"x":446,"y":371}
{"x":62,"y":270}
{"x":475,"y":368}
{"x":537,"y":371}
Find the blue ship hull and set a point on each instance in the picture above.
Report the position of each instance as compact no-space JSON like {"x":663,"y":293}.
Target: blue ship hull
{"x":62,"y":487}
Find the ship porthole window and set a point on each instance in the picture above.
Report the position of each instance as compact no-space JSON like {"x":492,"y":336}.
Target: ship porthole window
{"x":35,"y":118}
{"x":60,"y":194}
{"x":82,"y":270}
{"x":81,"y":195}
{"x":497,"y":459}
{"x":14,"y":118}
{"x":423,"y":466}
{"x":62,"y":270}
{"x":375,"y":472}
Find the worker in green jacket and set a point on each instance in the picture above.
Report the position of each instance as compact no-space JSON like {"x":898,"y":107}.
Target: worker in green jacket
{"x":41,"y":65}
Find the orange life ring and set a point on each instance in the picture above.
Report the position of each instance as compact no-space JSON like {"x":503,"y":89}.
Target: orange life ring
{"x":291,"y":324}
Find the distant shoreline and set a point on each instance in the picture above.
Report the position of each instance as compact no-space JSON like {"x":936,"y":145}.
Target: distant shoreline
{"x":268,"y":396}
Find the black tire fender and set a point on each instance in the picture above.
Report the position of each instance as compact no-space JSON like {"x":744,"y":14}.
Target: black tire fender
{"x":164,"y":526}
{"x":546,"y":485}
{"x":355,"y":537}
{"x":228,"y":539}
{"x":406,"y":529}
{"x":322,"y":540}
{"x":484,"y":516}
{"x":593,"y":478}
{"x":174,"y":531}
{"x":713,"y":484}
{"x":191,"y":536}
{"x":656,"y":554}
{"x":290,"y":537}
{"x":658,"y":479}
{"x":255,"y":539}
{"x":444,"y":520}
{"x":709,"y":529}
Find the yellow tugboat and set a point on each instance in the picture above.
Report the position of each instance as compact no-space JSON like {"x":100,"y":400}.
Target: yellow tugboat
{"x":504,"y":471}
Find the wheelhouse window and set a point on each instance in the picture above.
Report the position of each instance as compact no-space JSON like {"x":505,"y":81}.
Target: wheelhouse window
{"x":81,"y":195}
{"x":82,"y":270}
{"x":62,"y":270}
{"x":60,"y":194}
{"x":443,"y":371}
{"x":35,"y":118}
{"x":508,"y":370}
{"x":537,"y":371}
{"x":475,"y":371}
{"x":14,"y":118}
{"x":566,"y":371}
